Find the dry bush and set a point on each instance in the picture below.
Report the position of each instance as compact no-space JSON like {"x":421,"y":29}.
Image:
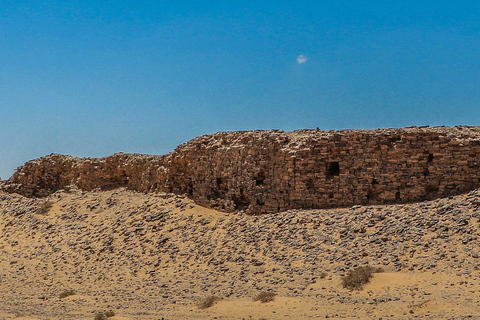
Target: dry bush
{"x":208,"y":302}
{"x":100,"y":316}
{"x":44,"y":207}
{"x":419,"y":304}
{"x":109,"y":313}
{"x":104,"y":315}
{"x":66,"y":293}
{"x":265,"y":296}
{"x":355,"y":279}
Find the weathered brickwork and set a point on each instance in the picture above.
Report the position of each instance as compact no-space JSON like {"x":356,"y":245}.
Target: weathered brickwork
{"x":271,"y":171}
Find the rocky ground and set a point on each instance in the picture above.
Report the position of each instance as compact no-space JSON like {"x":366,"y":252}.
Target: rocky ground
{"x":154,"y":256}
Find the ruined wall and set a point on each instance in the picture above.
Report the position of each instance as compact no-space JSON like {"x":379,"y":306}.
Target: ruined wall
{"x":271,"y":171}
{"x":43,"y":176}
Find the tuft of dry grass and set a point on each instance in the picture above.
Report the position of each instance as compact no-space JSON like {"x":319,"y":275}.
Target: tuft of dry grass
{"x":357,"y":278}
{"x":208,"y":301}
{"x":265,"y":296}
{"x":110,"y":313}
{"x":104,"y":315}
{"x":419,"y":304}
{"x":44,"y":207}
{"x":66,"y":293}
{"x":100,"y":316}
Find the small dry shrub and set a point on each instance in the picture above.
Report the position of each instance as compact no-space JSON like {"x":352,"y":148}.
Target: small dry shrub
{"x":265,"y":296}
{"x":66,"y":293}
{"x":104,"y":315}
{"x":100,"y":316}
{"x":419,"y":304}
{"x":355,"y":279}
{"x":323,"y":275}
{"x":208,"y":302}
{"x":44,"y":207}
{"x":110,"y":313}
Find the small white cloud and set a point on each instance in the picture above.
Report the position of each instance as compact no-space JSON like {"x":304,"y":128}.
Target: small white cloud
{"x":301,"y":59}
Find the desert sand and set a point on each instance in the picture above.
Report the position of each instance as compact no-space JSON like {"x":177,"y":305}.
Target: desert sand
{"x":156,"y":256}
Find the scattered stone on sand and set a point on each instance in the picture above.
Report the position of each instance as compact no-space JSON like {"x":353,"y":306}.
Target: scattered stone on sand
{"x":149,"y":256}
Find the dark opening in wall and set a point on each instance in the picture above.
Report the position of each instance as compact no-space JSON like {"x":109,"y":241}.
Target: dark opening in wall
{"x":221,"y":189}
{"x":333,"y":169}
{"x":431,"y":188}
{"x":430,"y":157}
{"x":391,"y":141}
{"x":190,"y":189}
{"x":260,"y":179}
{"x":369,"y":194}
{"x":426,"y":172}
{"x":374,"y":181}
{"x":241,"y":202}
{"x":310,"y":184}
{"x":394,"y":138}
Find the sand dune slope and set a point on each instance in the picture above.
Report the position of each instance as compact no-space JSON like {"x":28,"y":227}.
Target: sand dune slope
{"x":154,"y":256}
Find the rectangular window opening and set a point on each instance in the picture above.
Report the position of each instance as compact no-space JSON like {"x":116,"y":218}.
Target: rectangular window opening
{"x":333,"y":169}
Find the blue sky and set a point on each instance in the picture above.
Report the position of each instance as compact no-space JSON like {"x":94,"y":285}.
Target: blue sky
{"x":91,"y":78}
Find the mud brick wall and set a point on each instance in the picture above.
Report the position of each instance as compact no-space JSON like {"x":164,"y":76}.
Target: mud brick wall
{"x":272,"y":171}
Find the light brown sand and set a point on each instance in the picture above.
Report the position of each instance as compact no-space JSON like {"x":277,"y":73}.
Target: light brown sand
{"x":105,"y":247}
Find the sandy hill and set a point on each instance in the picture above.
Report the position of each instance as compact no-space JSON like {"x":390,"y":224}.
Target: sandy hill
{"x":155,"y":256}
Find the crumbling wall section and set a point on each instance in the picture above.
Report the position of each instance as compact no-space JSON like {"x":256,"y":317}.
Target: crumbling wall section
{"x":271,"y":171}
{"x":43,"y":176}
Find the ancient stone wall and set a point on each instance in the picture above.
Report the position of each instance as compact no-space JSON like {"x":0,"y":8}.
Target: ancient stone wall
{"x":271,"y":171}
